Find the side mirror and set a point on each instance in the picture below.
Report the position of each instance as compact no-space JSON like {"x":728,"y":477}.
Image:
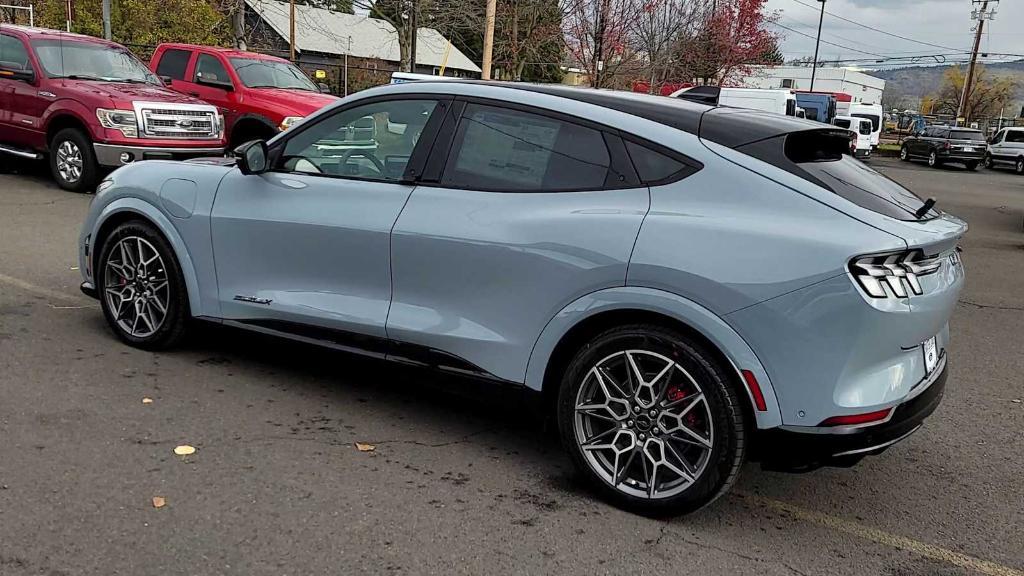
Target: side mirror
{"x":222,"y":84}
{"x":28,"y":75}
{"x":166,"y":80}
{"x":252,"y":157}
{"x":324,"y":88}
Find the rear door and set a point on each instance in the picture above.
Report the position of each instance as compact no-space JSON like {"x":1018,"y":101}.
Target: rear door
{"x":520,"y":211}
{"x":305,"y":248}
{"x":173,"y":65}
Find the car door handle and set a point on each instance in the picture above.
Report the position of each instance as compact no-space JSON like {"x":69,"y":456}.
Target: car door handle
{"x":196,"y":94}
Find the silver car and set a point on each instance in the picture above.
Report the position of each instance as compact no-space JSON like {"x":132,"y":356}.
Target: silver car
{"x":685,"y":287}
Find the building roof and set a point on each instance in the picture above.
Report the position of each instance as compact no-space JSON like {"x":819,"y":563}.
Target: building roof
{"x":330,"y":32}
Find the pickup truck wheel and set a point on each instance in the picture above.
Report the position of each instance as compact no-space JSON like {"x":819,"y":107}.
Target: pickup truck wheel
{"x":73,"y":161}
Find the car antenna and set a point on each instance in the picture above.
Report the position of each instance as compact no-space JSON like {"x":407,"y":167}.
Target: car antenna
{"x":924,"y":208}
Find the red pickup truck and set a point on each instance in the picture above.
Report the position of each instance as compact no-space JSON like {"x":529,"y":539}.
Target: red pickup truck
{"x":259,"y":95}
{"x":88,"y":104}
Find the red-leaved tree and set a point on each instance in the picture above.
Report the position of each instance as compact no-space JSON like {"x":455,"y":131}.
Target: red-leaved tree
{"x":734,"y":39}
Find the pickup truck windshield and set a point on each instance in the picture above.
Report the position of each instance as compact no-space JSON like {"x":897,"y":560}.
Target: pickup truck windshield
{"x":271,"y":74}
{"x":91,"y":61}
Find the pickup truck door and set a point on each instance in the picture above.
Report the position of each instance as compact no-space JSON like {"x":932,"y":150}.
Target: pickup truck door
{"x":305,"y":248}
{"x":21,"y":103}
{"x":210,"y":81}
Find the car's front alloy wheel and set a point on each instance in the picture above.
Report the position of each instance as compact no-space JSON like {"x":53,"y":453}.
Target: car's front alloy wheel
{"x":904,"y":154}
{"x":142,"y":292}
{"x":651,"y":420}
{"x":988,"y":161}
{"x":933,"y":159}
{"x":1019,"y":167}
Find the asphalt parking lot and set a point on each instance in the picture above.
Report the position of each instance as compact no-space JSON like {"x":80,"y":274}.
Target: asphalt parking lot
{"x":460,"y":480}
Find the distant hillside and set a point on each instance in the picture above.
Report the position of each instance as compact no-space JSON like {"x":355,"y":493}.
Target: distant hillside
{"x":917,"y":81}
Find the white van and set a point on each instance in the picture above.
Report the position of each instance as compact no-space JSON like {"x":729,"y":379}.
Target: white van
{"x":778,"y":101}
{"x":872,"y":112}
{"x":860,"y":142}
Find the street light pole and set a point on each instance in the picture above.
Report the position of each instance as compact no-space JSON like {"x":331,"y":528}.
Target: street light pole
{"x":817,"y":42}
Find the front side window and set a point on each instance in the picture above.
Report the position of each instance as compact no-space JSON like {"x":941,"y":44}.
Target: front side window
{"x":173,"y":64}
{"x":842,"y":123}
{"x":209,"y":68}
{"x":509,"y":150}
{"x":13,"y":55}
{"x":91,"y":61}
{"x":1015,"y":136}
{"x":373,"y":141}
{"x":258,"y":73}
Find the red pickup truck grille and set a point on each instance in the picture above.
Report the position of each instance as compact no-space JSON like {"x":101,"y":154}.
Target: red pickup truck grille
{"x":192,"y":121}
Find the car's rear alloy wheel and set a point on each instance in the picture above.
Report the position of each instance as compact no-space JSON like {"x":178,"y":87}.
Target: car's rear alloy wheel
{"x":142,"y":292}
{"x":651,"y":420}
{"x":933,"y":160}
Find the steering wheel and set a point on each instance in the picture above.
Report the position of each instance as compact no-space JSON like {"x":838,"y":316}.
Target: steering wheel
{"x":363,"y":154}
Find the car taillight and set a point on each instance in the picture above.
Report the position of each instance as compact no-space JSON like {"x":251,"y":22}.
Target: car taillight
{"x":892,"y":275}
{"x":947,"y":145}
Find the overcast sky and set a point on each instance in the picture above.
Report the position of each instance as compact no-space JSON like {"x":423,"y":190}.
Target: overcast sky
{"x":942,"y":22}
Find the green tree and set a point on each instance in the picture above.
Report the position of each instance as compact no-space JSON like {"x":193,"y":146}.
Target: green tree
{"x":141,"y":24}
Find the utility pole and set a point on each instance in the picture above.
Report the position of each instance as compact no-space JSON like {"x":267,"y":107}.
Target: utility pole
{"x":485,"y":64}
{"x":979,"y":15}
{"x":238,"y":25}
{"x":106,"y":18}
{"x":817,"y":42}
{"x":600,"y":16}
{"x":412,"y":36}
{"x":291,"y":29}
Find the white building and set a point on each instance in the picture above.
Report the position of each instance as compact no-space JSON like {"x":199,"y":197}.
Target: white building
{"x":860,"y":86}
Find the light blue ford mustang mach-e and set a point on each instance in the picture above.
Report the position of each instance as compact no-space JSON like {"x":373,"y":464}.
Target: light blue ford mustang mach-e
{"x":687,"y":286}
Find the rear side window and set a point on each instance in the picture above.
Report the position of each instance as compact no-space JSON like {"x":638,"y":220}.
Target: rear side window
{"x":499,"y":149}
{"x":173,"y":64}
{"x":654,"y":167}
{"x":822,"y":157}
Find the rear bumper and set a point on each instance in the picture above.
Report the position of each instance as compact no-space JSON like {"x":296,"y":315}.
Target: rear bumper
{"x":110,"y":154}
{"x":962,"y":156}
{"x":862,"y":153}
{"x":799,"y":448}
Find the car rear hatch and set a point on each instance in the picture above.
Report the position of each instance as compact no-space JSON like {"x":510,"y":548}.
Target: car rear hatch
{"x":819,"y":158}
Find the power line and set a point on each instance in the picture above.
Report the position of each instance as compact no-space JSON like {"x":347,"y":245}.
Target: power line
{"x":880,"y":31}
{"x":796,"y":22}
{"x":784,"y":27}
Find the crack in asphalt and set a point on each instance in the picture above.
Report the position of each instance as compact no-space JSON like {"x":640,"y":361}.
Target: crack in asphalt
{"x":991,"y":306}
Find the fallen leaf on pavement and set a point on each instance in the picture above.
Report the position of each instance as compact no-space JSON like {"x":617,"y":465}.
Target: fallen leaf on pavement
{"x":365,"y":447}
{"x":184,"y":450}
{"x":159,"y":502}
{"x":1016,"y":400}
{"x":147,"y":400}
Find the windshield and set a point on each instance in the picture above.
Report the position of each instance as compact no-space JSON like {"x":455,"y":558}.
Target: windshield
{"x":875,"y":120}
{"x":90,"y":61}
{"x":271,"y":74}
{"x":966,"y":135}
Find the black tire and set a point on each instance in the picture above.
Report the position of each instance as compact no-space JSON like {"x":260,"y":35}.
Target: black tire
{"x":1019,"y":166}
{"x":904,"y":154}
{"x":972,"y":165}
{"x":90,"y":169}
{"x":175,"y":321}
{"x":988,"y":161}
{"x":726,"y":455}
{"x":933,"y":160}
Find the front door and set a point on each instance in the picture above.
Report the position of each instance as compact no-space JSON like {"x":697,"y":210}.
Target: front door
{"x":306,"y":246}
{"x":20,"y":101}
{"x":210,"y":81}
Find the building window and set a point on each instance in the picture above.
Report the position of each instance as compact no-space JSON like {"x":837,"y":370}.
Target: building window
{"x":788,"y":83}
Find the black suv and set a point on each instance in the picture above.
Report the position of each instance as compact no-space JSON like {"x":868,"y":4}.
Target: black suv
{"x":939,"y":144}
